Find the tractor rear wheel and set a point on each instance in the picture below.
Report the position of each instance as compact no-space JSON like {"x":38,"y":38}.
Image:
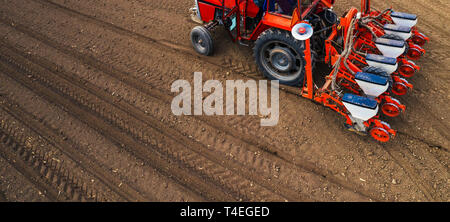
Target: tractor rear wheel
{"x":202,"y":41}
{"x":280,"y":57}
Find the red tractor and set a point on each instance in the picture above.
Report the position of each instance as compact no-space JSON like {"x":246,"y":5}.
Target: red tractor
{"x":369,"y":52}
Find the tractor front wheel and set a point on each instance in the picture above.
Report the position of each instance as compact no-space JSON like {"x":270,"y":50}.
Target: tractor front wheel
{"x":280,"y":57}
{"x":202,"y":41}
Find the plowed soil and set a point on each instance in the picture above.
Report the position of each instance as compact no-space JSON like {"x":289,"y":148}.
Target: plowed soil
{"x":85,"y":115}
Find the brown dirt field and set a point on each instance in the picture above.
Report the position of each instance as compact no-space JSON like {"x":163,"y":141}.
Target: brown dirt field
{"x":85,"y":115}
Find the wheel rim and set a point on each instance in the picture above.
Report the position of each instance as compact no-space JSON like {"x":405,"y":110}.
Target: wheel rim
{"x":399,"y":89}
{"x":390,"y":109}
{"x":281,"y":61}
{"x":414,"y":54}
{"x":407,"y":70}
{"x":380,"y":134}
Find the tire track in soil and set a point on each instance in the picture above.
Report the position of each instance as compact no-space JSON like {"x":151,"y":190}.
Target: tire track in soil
{"x":11,"y":181}
{"x":48,"y":175}
{"x":278,"y":156}
{"x":227,"y":63}
{"x":140,"y":135}
{"x":67,"y":147}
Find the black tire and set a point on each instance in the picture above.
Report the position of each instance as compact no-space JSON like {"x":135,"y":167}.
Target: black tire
{"x":396,"y":37}
{"x":202,"y":41}
{"x":380,"y":72}
{"x":280,"y":57}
